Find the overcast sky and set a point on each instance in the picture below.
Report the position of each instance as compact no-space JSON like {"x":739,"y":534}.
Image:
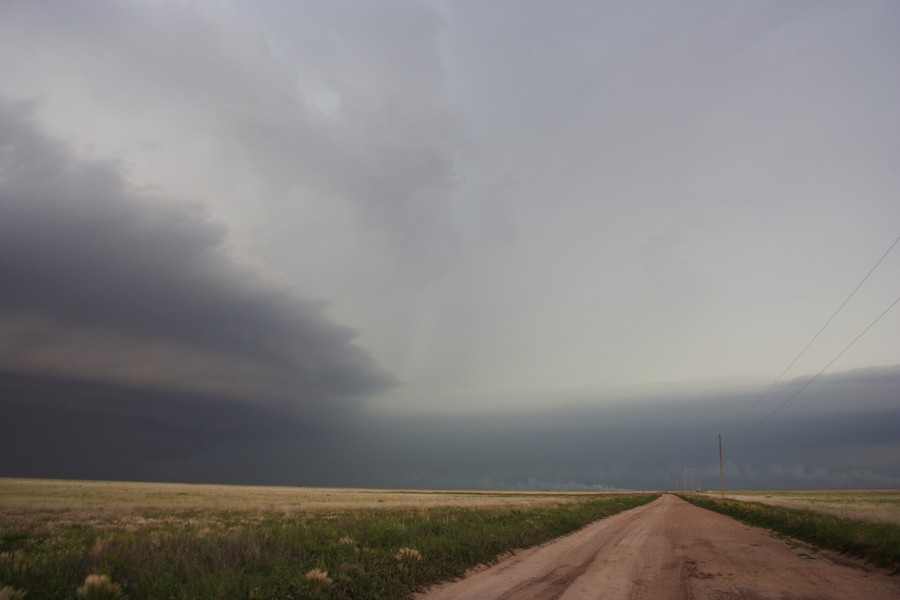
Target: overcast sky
{"x":459,"y":244}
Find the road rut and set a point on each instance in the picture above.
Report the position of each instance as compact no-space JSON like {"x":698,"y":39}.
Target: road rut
{"x":670,"y":549}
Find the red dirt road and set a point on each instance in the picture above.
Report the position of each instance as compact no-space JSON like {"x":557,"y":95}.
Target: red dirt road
{"x":670,"y":549}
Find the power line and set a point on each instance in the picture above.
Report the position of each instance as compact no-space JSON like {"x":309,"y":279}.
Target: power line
{"x":815,"y":337}
{"x":816,"y":376}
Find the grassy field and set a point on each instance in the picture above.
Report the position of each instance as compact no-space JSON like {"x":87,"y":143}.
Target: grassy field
{"x":878,"y":542}
{"x":877,"y":506}
{"x":112,"y":498}
{"x":183,"y":541}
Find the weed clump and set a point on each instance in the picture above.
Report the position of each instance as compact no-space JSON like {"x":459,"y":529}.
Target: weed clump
{"x":408,"y":555}
{"x":318,"y":578}
{"x":100,"y":587}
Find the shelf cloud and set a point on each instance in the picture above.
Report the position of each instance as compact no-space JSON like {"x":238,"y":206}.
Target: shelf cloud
{"x":105,"y":285}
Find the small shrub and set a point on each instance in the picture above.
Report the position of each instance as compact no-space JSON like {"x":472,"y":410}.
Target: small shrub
{"x":100,"y":587}
{"x":408,"y":555}
{"x":318,"y":578}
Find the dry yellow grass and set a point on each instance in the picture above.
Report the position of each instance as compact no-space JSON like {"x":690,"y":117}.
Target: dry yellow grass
{"x":104,"y":504}
{"x":877,"y":506}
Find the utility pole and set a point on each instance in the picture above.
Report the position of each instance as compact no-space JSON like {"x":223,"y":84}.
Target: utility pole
{"x":721,"y":471}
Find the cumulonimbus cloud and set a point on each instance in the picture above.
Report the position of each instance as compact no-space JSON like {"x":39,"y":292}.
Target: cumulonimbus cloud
{"x":103,"y":282}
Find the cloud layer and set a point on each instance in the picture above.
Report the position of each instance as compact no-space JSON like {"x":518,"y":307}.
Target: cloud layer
{"x":110,"y":284}
{"x":425,"y":238}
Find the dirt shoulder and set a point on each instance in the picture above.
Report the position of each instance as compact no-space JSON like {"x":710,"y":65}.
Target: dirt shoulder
{"x":670,"y":549}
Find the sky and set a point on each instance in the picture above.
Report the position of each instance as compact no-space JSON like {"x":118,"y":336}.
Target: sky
{"x":462,"y":244}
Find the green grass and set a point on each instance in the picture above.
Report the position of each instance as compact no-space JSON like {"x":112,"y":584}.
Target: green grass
{"x":861,"y":505}
{"x":235,"y":554}
{"x":875,"y":542}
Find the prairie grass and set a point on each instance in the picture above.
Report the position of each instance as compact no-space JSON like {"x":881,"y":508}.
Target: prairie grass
{"x":105,"y":498}
{"x":875,"y":542}
{"x":879,"y":506}
{"x":267,"y":544}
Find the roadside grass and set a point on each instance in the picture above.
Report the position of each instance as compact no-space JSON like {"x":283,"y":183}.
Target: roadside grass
{"x":878,"y":543}
{"x":377,"y":553}
{"x":861,"y":505}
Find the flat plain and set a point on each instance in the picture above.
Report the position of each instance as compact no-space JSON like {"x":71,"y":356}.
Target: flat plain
{"x":214,"y":541}
{"x":122,"y":498}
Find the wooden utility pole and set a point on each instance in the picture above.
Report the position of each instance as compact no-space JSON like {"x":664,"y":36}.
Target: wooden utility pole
{"x":721,"y":471}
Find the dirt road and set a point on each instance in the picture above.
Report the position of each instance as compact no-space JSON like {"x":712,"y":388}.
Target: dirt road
{"x":670,"y":549}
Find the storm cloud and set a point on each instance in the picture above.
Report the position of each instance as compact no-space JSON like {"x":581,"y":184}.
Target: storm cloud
{"x":419,"y":242}
{"x":105,"y":283}
{"x":842,"y":434}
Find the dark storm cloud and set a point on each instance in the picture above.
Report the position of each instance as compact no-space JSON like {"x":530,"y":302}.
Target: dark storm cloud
{"x":641,"y":443}
{"x":105,"y":283}
{"x":64,"y":427}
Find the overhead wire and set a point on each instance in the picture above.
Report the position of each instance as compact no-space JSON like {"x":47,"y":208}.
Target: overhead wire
{"x":810,"y":343}
{"x":814,"y":338}
{"x":816,"y":376}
